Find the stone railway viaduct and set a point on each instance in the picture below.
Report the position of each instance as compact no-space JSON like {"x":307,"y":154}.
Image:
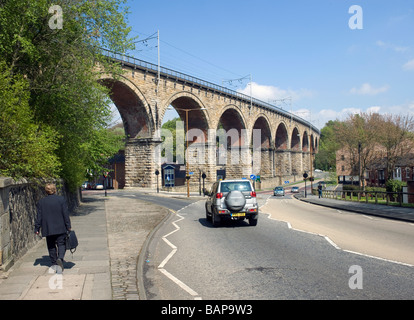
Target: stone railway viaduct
{"x":261,"y":138}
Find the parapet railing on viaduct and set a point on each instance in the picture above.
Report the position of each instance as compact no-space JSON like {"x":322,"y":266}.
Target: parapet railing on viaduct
{"x":135,"y":63}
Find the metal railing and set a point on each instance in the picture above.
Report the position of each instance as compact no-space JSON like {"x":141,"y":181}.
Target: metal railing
{"x":374,"y":197}
{"x":179,"y":76}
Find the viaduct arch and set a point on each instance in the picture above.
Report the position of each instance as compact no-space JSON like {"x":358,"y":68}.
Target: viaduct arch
{"x":226,"y":130}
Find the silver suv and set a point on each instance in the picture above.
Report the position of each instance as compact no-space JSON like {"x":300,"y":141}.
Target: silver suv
{"x":232,"y":200}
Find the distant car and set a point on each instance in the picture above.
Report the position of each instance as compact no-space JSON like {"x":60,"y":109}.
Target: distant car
{"x":279,"y":191}
{"x":295,"y":190}
{"x":99,"y":187}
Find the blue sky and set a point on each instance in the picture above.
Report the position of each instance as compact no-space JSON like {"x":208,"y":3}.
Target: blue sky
{"x":298,"y":48}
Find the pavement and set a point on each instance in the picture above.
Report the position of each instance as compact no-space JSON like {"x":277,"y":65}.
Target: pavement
{"x":383,"y":211}
{"x":112,"y":232}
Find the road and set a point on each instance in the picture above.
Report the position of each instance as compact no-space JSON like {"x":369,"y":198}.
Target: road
{"x":189,"y":259}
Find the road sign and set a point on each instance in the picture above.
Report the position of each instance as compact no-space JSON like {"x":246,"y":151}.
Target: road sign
{"x":191,"y":173}
{"x":253,"y":177}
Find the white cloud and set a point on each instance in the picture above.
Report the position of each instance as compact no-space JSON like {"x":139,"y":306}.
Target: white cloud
{"x":367,"y":89}
{"x":391,"y":46}
{"x":271,"y":93}
{"x":375,"y":109}
{"x":403,"y":109}
{"x":409,"y":65}
{"x":323,"y":116}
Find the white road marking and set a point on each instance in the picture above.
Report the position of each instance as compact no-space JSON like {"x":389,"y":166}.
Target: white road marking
{"x":161,"y":267}
{"x":378,"y":258}
{"x":335,"y":245}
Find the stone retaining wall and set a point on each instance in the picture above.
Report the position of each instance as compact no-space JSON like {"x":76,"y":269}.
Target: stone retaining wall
{"x":18,"y":202}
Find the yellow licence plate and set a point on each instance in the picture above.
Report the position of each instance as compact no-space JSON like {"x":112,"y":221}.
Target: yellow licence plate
{"x":238,"y":214}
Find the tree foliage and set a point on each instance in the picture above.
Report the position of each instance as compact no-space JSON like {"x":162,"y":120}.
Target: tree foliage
{"x":367,"y":137}
{"x":60,"y":74}
{"x":26,"y":148}
{"x":325,"y":159}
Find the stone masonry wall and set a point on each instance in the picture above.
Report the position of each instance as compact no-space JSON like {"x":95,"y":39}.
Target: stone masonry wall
{"x":17,"y":217}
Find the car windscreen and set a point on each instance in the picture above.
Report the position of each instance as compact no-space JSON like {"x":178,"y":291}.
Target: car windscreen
{"x":231,"y":186}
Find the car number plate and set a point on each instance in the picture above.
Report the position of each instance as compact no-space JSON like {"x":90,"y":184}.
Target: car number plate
{"x":238,"y":214}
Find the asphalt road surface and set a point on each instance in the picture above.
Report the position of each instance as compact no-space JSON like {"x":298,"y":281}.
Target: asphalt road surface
{"x":189,"y":259}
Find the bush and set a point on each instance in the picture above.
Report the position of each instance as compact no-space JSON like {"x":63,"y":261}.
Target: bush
{"x":350,"y":187}
{"x":375,"y":189}
{"x":394,"y":185}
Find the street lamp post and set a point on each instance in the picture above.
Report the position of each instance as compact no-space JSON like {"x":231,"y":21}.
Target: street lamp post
{"x":187,"y":174}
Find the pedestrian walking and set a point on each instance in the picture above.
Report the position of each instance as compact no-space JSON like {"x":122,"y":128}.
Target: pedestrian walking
{"x":53,"y":219}
{"x":320,"y":190}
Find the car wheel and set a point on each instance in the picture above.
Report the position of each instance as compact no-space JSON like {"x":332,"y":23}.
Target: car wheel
{"x":253,"y":221}
{"x":208,"y":217}
{"x":215,"y":219}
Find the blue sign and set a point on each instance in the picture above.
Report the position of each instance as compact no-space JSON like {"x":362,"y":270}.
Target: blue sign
{"x":253,"y":177}
{"x":191,"y":173}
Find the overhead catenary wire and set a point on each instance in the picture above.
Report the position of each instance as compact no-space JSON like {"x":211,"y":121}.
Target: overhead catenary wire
{"x":177,"y":62}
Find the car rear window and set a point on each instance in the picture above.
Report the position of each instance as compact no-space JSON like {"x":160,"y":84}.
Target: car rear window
{"x":231,"y":186}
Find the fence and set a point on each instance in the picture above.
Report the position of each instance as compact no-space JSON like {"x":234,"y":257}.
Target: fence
{"x":377,"y":197}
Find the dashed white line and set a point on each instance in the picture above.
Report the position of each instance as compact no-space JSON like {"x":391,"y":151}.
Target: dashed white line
{"x":336,"y":246}
{"x":161,"y":267}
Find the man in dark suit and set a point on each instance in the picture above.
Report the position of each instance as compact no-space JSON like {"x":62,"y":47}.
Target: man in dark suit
{"x":53,"y":219}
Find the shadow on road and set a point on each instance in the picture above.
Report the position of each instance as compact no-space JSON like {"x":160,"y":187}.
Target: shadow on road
{"x":224,"y":224}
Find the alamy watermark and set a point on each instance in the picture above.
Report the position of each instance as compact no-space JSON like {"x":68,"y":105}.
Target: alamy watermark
{"x":56,"y":21}
{"x":356,"y":22}
{"x":55,"y":281}
{"x":220,"y":146}
{"x":356,"y":280}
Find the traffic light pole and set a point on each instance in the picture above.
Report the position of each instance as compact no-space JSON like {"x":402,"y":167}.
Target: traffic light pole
{"x":305,"y":176}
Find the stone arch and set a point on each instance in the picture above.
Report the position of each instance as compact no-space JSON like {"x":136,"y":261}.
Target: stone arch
{"x":281,"y":138}
{"x":296,"y":152}
{"x":262,"y":149}
{"x":305,"y":142}
{"x":262,"y":123}
{"x":295,"y":140}
{"x":231,"y":119}
{"x":312,"y":141}
{"x":197,"y":118}
{"x":233,"y":158}
{"x":282,"y":154}
{"x":133,"y":107}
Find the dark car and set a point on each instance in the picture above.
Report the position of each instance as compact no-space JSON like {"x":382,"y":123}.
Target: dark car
{"x":295,"y":190}
{"x":232,"y":200}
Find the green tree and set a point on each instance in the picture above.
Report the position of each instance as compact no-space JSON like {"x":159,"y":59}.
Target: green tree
{"x":62,"y":68}
{"x":325,"y":159}
{"x":171,"y":126}
{"x":26,"y":149}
